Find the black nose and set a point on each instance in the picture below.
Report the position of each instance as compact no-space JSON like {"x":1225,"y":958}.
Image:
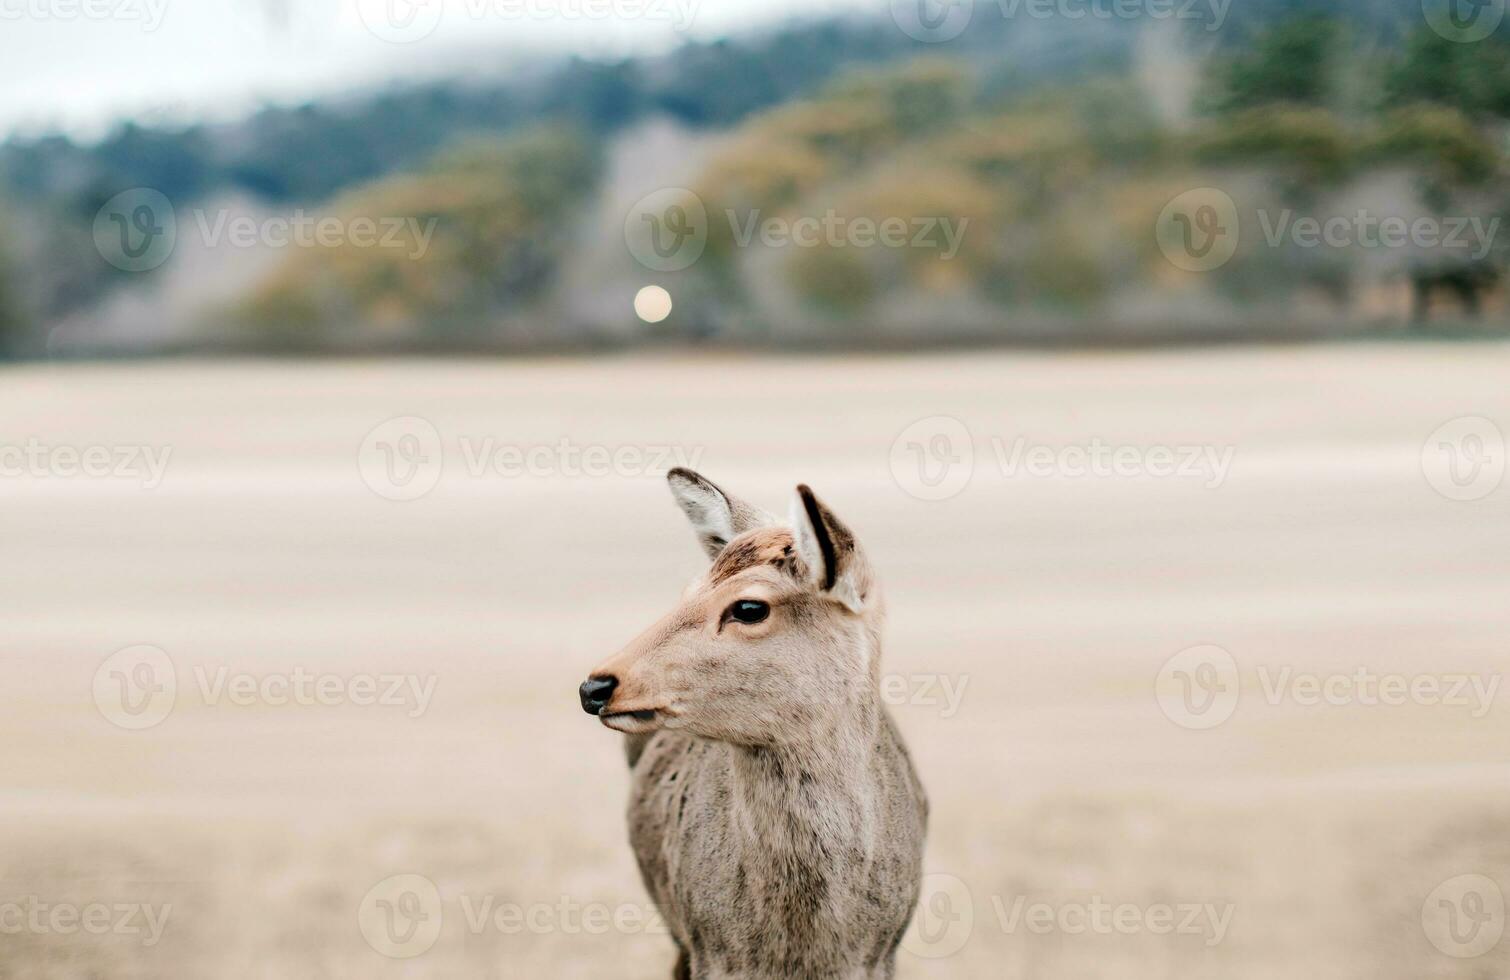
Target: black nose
{"x":595,"y":693}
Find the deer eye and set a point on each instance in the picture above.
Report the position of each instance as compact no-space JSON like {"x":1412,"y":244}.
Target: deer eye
{"x":748,"y":611}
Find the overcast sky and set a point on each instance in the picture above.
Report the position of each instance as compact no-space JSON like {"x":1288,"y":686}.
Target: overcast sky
{"x":83,"y":63}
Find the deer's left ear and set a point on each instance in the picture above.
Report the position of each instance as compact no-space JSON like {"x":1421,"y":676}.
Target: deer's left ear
{"x":828,"y":551}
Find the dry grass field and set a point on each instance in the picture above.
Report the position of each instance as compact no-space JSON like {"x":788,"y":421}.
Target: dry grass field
{"x":1098,"y":810}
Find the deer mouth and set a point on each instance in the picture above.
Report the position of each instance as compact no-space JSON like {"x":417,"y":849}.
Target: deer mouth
{"x":632,"y":722}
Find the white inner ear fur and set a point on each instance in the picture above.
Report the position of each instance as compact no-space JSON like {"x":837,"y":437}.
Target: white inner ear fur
{"x":811,"y":553}
{"x":710,"y":513}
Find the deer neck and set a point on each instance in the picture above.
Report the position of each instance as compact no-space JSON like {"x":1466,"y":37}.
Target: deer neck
{"x":810,"y":796}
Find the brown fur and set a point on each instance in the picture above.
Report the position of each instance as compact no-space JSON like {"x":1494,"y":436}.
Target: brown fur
{"x":764,"y":546}
{"x":774,"y":812}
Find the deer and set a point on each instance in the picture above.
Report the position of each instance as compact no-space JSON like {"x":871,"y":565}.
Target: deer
{"x":775,"y":813}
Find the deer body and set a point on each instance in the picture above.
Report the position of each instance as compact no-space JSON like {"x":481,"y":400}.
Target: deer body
{"x":774,"y":811}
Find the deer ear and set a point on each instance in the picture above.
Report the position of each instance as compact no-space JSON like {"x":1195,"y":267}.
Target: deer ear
{"x":828,"y":550}
{"x":717,"y":517}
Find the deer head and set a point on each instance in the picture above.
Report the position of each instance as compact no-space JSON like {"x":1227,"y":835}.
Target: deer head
{"x":780,"y":633}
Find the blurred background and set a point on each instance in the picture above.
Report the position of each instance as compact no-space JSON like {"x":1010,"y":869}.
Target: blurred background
{"x":1155,"y":350}
{"x":343,"y":176}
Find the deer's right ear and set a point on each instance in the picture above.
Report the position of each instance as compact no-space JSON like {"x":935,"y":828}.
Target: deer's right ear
{"x":716,"y":516}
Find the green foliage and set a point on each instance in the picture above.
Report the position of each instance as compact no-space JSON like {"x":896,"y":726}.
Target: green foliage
{"x":1441,"y":141}
{"x":499,"y":212}
{"x":1292,"y":61}
{"x":833,"y":280}
{"x":1472,"y":78}
{"x":18,"y":304}
{"x":13,"y":324}
{"x":782,"y":156}
{"x":918,"y":97}
{"x":1310,"y":144}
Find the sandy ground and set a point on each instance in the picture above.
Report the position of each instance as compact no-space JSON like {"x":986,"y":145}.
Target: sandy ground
{"x":1099,"y":810}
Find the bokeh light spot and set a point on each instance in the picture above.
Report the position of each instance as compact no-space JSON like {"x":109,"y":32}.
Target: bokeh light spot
{"x":652,"y":304}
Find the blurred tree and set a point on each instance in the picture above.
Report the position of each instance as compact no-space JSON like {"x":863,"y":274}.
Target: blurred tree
{"x":1441,"y":141}
{"x":499,"y":213}
{"x":1431,"y":68}
{"x":1309,"y":146}
{"x":13,"y":324}
{"x":1291,"y":61}
{"x":780,"y":157}
{"x":1471,"y":78}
